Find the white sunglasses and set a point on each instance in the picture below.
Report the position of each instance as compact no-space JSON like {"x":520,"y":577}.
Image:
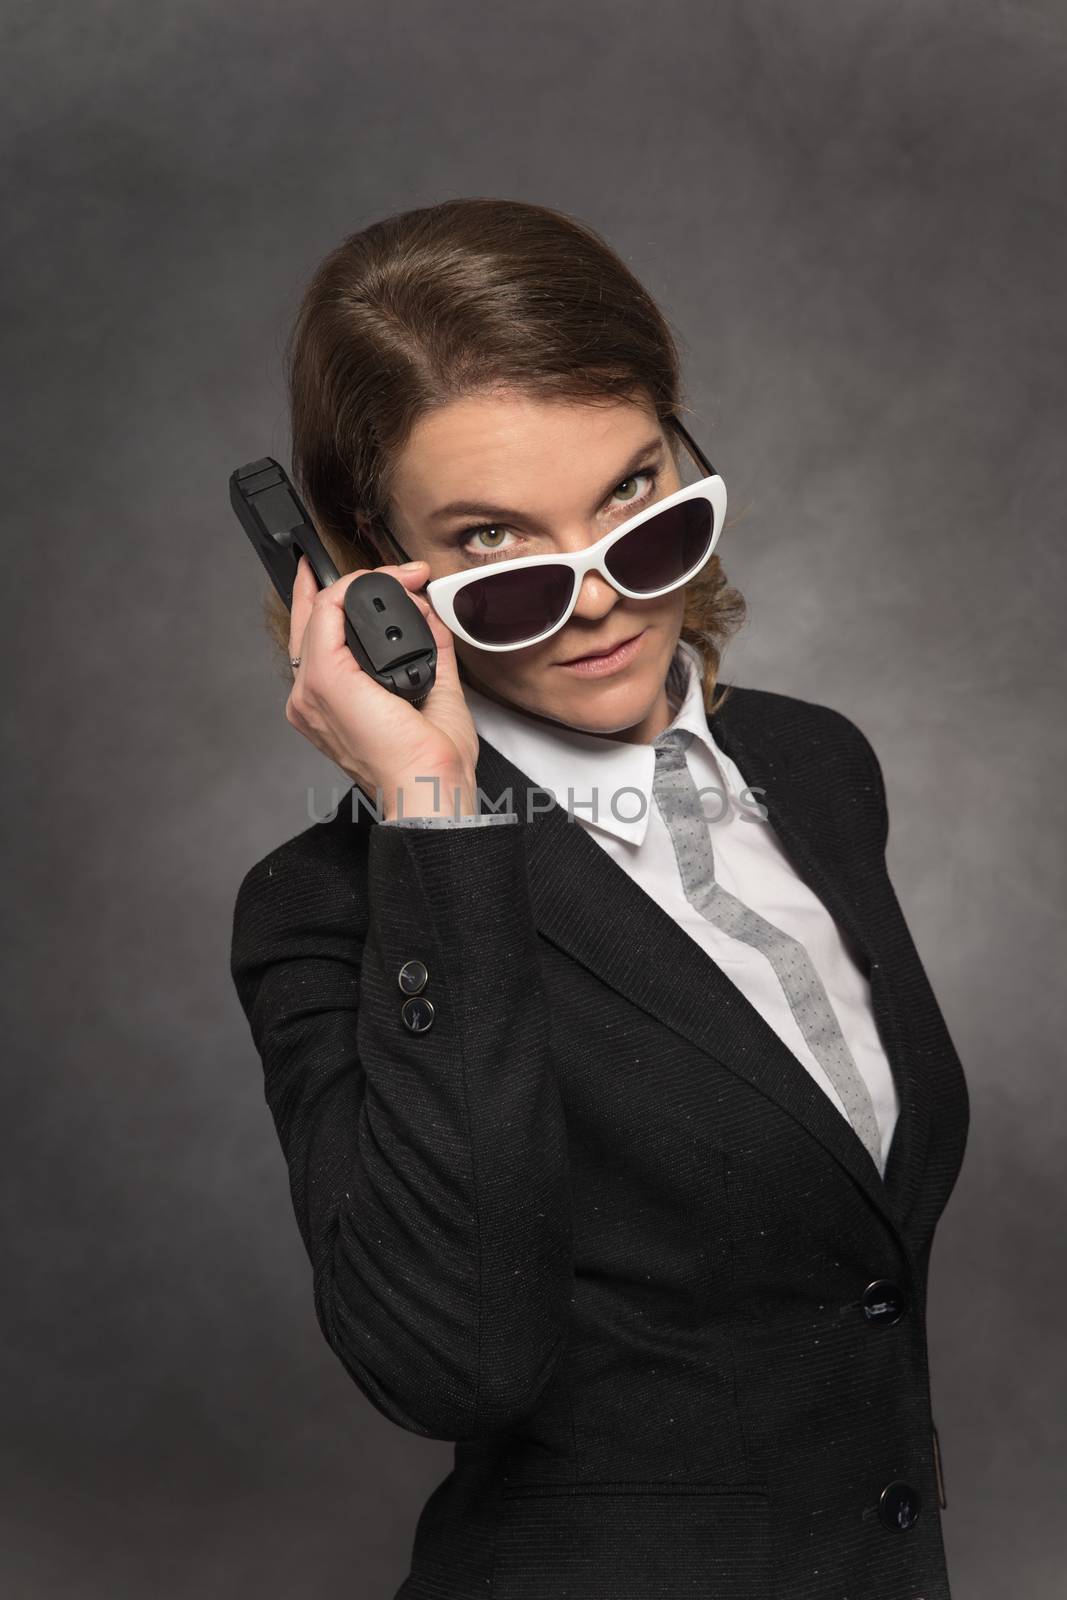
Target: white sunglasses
{"x":518,"y":603}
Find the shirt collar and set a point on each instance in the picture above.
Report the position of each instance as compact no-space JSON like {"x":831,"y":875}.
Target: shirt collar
{"x":601,"y":773}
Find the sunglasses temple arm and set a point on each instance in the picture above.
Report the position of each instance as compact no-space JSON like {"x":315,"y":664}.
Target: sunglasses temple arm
{"x":393,"y":539}
{"x":693,"y":447}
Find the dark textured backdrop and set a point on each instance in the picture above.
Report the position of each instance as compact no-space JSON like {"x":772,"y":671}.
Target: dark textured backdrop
{"x":854,"y":216}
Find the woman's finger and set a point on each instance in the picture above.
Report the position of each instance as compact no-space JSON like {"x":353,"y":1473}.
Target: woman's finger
{"x":305,"y":588}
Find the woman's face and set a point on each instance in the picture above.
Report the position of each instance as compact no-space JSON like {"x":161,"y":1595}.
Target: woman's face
{"x":540,"y":476}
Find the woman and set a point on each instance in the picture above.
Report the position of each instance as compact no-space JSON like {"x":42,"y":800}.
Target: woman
{"x":618,"y":1119}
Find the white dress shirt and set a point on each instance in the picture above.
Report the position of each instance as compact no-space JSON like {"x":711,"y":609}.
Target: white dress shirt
{"x":594,"y":776}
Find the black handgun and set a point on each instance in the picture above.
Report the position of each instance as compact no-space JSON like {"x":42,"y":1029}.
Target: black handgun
{"x":384,"y":628}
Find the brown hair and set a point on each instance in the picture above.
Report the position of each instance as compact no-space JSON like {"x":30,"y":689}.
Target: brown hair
{"x":448,"y":300}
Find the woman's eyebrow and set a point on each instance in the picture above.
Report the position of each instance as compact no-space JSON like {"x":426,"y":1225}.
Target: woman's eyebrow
{"x":652,"y":449}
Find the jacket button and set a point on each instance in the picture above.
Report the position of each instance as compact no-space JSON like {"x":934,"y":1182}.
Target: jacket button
{"x":417,"y":1013}
{"x":412,"y":977}
{"x":899,"y":1504}
{"x":882,"y":1301}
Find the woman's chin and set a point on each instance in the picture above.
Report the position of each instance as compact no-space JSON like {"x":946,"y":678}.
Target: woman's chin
{"x":608,"y":705}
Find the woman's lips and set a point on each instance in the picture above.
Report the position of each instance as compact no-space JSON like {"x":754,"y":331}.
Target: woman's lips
{"x":608,"y":661}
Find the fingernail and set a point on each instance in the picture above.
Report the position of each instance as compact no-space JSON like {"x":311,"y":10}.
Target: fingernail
{"x":410,"y":566}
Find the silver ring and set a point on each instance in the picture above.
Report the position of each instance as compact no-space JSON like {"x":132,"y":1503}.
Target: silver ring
{"x":294,"y":662}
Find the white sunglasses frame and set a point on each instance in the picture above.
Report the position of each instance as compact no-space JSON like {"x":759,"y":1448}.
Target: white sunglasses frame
{"x":441,"y":592}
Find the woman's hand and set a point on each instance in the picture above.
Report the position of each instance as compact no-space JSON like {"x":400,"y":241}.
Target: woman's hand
{"x":375,"y":736}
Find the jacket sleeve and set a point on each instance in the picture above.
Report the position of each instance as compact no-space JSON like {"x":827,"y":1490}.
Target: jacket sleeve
{"x":875,"y":784}
{"x":483,"y":819}
{"x":428,"y":1170}
{"x":860,"y":772}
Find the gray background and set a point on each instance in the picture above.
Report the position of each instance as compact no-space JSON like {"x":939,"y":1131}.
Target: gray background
{"x":853,"y":215}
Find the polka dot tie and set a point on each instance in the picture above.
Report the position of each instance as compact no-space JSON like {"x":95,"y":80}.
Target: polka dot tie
{"x":676,"y":794}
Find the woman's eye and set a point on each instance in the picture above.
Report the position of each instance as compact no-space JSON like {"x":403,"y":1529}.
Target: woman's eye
{"x":630,"y":499}
{"x":487,"y":550}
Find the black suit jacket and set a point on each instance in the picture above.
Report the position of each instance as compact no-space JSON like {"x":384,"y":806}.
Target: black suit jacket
{"x":597,"y":1224}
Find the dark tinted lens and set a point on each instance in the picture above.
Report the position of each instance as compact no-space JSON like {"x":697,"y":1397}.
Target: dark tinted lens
{"x":509,"y":607}
{"x":664,"y":548}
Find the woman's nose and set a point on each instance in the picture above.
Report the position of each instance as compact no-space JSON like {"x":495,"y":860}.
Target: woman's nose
{"x":596,"y":597}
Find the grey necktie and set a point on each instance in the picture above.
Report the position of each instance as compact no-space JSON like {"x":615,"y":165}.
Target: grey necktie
{"x":676,"y":794}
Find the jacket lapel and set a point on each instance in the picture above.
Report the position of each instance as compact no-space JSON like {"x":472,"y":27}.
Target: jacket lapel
{"x":589,"y":906}
{"x":760,"y":732}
